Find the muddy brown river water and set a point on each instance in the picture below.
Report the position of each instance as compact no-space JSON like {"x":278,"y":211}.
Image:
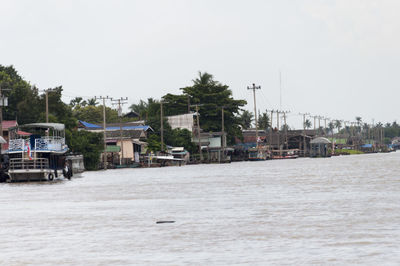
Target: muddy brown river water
{"x":336,"y":211}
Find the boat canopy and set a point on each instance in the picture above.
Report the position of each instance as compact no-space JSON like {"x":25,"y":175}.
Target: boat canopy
{"x":55,"y":126}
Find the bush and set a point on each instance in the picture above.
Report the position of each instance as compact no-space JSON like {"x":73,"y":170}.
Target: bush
{"x":89,"y":144}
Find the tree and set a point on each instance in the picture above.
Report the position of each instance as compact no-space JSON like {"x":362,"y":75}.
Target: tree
{"x":359,"y":123}
{"x":88,"y":143}
{"x":338,"y":125}
{"x":213,"y":95}
{"x":205,"y":79}
{"x":331,"y":126}
{"x":307,"y":124}
{"x":181,"y":138}
{"x":140,"y":108}
{"x":245,"y":119}
{"x":23,"y":99}
{"x":153,"y":143}
{"x":92,"y":102}
{"x":263,"y":121}
{"x":94,"y":114}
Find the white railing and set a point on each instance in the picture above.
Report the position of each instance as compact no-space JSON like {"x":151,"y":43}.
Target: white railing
{"x":41,"y":144}
{"x":18,"y":163}
{"x":16,"y":145}
{"x":49,"y":143}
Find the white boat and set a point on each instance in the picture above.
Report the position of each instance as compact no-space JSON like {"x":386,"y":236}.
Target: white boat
{"x":37,"y":152}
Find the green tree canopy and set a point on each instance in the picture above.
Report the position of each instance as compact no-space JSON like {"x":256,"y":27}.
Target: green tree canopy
{"x":263,"y":121}
{"x":245,"y":119}
{"x":211,"y":95}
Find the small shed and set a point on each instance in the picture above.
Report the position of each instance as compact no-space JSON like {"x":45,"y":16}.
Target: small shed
{"x":320,"y":147}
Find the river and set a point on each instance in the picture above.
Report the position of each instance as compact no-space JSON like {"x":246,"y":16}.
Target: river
{"x":336,"y":211}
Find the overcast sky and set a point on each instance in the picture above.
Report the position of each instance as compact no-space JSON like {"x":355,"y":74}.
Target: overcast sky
{"x":338,"y":59}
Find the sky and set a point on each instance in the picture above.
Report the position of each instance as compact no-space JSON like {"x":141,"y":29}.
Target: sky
{"x":337,"y":59}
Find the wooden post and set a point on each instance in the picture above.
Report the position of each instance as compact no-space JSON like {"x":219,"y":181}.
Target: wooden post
{"x":270,"y":135}
{"x":198,"y":132}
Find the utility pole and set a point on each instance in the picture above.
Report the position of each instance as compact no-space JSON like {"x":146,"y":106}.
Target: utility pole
{"x":279,"y":134}
{"x":223,"y":132}
{"x":285,"y":129}
{"x":325,"y":118}
{"x":121,"y":101}
{"x":198,"y":129}
{"x":319,"y":124}
{"x":271,"y":130}
{"x":104,"y":128}
{"x":315,"y":122}
{"x":254,"y":88}
{"x":47,"y":103}
{"x":162,"y":125}
{"x":3,"y":103}
{"x":304,"y":133}
{"x":270,"y":135}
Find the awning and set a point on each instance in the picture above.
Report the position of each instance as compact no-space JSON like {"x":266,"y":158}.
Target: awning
{"x":23,"y":133}
{"x":113,"y":148}
{"x":2,"y":140}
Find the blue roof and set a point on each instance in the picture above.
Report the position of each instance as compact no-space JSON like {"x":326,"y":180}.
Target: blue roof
{"x":89,"y":125}
{"x":130,"y":128}
{"x":93,"y":126}
{"x":366,"y":146}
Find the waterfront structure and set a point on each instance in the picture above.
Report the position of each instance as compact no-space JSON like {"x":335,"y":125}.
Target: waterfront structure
{"x":320,"y":147}
{"x":5,"y":126}
{"x":130,"y":137}
{"x":37,"y":152}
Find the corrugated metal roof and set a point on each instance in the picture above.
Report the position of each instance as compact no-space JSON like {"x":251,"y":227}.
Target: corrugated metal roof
{"x":89,"y":125}
{"x":130,"y":128}
{"x":114,"y":127}
{"x":6,"y":124}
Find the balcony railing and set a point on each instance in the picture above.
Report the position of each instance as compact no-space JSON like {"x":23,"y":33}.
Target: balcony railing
{"x":20,"y":164}
{"x":41,"y":144}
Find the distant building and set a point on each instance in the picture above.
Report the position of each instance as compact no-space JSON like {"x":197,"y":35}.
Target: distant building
{"x":124,"y":140}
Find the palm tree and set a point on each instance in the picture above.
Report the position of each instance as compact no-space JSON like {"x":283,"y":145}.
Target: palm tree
{"x":92,"y":102}
{"x":307,"y":124}
{"x":205,"y":79}
{"x":141,"y":108}
{"x":365,"y":128}
{"x":263,"y":121}
{"x":359,"y":122}
{"x":76,"y":101}
{"x":245,"y":119}
{"x":331,"y":126}
{"x":338,"y":125}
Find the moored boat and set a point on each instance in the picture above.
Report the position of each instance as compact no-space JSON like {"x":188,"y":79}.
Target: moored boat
{"x":37,"y":152}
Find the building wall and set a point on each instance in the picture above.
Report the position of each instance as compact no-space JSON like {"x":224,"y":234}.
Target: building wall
{"x":128,"y":149}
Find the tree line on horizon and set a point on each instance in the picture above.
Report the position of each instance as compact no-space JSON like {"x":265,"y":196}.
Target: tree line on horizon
{"x":26,"y":104}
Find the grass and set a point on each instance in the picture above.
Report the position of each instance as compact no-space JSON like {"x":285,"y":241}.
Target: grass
{"x":343,"y":151}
